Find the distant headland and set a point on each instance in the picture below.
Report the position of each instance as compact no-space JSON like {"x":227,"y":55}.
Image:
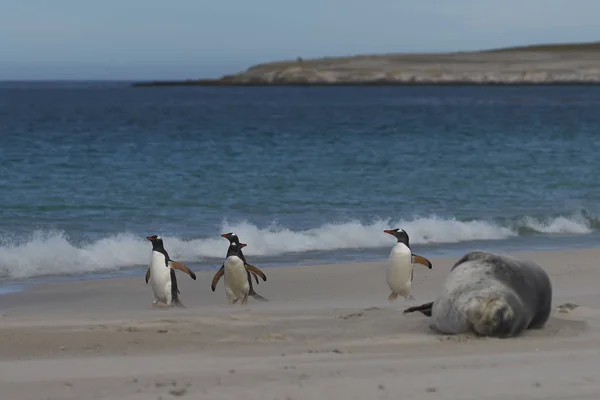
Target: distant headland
{"x":573,"y":63}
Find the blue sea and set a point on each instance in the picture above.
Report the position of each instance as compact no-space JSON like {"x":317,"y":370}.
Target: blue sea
{"x":304,"y":175}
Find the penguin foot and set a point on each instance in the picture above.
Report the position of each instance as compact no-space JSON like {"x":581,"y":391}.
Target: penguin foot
{"x":160,"y":305}
{"x":393,"y":296}
{"x":245,"y":299}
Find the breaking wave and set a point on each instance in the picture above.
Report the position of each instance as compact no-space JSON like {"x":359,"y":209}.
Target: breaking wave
{"x":54,"y":253}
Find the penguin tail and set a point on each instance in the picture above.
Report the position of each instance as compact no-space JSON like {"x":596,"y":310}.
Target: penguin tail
{"x":178,"y":303}
{"x":257,"y":296}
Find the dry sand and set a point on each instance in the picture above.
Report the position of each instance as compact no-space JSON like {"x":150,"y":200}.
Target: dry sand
{"x":328,"y":332}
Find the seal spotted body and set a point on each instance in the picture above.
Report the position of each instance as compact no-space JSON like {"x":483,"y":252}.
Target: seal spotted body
{"x":491,"y":295}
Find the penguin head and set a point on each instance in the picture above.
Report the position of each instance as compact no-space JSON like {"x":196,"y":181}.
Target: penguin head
{"x":156,"y":240}
{"x":232,"y":237}
{"x":399,"y":234}
{"x":235,"y":249}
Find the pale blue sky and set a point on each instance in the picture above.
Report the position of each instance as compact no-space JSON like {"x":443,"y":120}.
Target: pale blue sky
{"x":147,"y":39}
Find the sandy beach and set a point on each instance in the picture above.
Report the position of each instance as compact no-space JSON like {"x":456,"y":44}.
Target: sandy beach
{"x":328,"y":331}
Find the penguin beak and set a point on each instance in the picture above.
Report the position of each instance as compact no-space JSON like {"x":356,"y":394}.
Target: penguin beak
{"x":150,"y":238}
{"x":225,"y":235}
{"x":389,"y":231}
{"x":243,"y":245}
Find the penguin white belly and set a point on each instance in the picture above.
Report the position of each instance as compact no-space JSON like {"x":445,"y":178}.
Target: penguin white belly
{"x":399,"y":271}
{"x":160,"y":278}
{"x":236,"y":278}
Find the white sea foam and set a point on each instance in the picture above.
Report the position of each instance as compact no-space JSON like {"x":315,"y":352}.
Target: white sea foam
{"x":53,"y":253}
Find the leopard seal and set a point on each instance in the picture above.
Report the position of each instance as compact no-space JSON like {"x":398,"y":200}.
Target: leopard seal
{"x":490,"y":294}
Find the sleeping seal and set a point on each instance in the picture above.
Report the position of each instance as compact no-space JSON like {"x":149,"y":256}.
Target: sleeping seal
{"x":491,"y":295}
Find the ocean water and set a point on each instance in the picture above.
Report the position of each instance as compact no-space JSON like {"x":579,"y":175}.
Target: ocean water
{"x":302,"y":175}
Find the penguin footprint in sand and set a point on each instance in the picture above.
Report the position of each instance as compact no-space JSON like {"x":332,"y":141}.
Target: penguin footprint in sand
{"x":161,"y":275}
{"x":237,"y":273}
{"x":400,"y":266}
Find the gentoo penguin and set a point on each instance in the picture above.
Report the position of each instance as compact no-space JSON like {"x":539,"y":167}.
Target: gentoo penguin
{"x":161,"y":275}
{"x":400,"y":266}
{"x":237,"y":280}
{"x":251,"y":269}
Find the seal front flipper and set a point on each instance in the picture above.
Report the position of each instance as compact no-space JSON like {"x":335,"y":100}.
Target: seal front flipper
{"x":217,"y":276}
{"x":416,"y":259}
{"x":182,"y":268}
{"x":256,"y":271}
{"x":147,"y":275}
{"x":424,"y":309}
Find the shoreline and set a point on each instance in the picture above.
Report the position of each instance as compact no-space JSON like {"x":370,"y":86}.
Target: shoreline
{"x":373,"y":255}
{"x":327,"y":330}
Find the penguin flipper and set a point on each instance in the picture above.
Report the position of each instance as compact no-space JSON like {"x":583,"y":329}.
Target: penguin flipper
{"x":256,"y":271}
{"x":416,"y":259}
{"x":174,"y":289}
{"x":147,"y":275}
{"x":252,"y":292}
{"x":182,"y":268}
{"x":424,"y":309}
{"x":217,"y":276}
{"x":255,"y":277}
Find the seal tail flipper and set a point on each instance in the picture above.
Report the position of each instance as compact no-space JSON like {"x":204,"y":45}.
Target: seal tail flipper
{"x":147,"y":275}
{"x":417,"y":259}
{"x":424,"y":309}
{"x":182,"y":268}
{"x":217,"y":276}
